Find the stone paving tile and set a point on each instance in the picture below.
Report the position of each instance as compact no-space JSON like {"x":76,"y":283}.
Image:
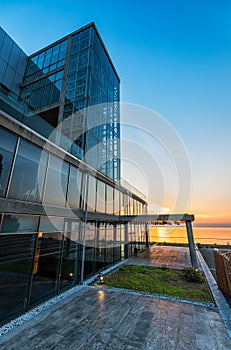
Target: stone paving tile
{"x":106,"y":319}
{"x":174,"y":257}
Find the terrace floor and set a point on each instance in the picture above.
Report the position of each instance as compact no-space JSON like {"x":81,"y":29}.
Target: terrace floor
{"x":172,"y":257}
{"x":101,"y":318}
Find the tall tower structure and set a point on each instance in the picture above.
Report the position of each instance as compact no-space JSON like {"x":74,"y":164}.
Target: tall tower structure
{"x":63,"y":82}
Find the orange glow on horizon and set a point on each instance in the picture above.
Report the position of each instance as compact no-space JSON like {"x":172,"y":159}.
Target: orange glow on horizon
{"x":222,"y":219}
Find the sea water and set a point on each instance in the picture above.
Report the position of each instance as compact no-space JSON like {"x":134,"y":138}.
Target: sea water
{"x":178,"y":234}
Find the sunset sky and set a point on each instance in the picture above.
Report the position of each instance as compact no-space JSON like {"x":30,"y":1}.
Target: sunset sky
{"x":174,"y":59}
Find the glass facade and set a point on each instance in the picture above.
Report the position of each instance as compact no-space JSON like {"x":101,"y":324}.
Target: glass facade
{"x":16,"y":262}
{"x":61,"y":207}
{"x":28,"y":173}
{"x":44,"y":91}
{"x":70,"y":76}
{"x":7,"y":148}
{"x":56,"y":182}
{"x":42,"y":255}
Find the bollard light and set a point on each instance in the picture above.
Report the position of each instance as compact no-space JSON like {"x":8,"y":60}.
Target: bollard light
{"x":101,"y":279}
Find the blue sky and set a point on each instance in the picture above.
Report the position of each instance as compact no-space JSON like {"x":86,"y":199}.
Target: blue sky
{"x":173,"y":57}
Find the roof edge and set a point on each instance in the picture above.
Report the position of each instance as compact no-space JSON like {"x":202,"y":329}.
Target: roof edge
{"x":91,"y":24}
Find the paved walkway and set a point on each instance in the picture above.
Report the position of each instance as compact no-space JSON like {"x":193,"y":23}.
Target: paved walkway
{"x":101,"y":318}
{"x":173,"y":257}
{"x":97,"y":318}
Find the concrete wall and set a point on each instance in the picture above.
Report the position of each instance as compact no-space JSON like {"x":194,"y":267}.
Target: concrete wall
{"x":12,"y":62}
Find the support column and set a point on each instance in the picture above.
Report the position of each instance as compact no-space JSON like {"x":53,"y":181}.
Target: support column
{"x":191,"y":244}
{"x":114,"y":242}
{"x":126,"y":240}
{"x":147,"y":235}
{"x":84,"y":230}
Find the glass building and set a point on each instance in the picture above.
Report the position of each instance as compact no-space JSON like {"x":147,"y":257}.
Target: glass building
{"x":62,"y":204}
{"x":70,"y":75}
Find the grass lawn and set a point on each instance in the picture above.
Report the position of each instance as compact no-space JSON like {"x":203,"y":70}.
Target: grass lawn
{"x":163,"y":281}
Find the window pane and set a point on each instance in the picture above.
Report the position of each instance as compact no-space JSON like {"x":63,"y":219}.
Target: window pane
{"x":73,"y":196}
{"x":19,"y":223}
{"x":109,"y":209}
{"x":56,"y":186}
{"x":117,"y":246}
{"x":109,"y":244}
{"x":69,"y":269}
{"x":7,"y":147}
{"x":100,"y":197}
{"x":16,"y":257}
{"x":46,"y":266}
{"x":51,"y":223}
{"x":89,"y":251}
{"x":91,"y":193}
{"x":70,"y":258}
{"x":28,"y":175}
{"x":117,"y":195}
{"x":82,"y":186}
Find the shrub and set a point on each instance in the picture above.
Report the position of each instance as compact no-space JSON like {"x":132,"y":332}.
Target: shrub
{"x":193,"y":275}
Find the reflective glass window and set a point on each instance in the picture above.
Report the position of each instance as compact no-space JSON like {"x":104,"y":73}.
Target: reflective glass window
{"x":96,"y":44}
{"x":19,"y":223}
{"x":123,"y":210}
{"x":83,"y":59}
{"x":100,"y":197}
{"x":31,"y":68}
{"x":82,"y":186}
{"x":7,"y":148}
{"x":46,"y":266}
{"x":135,"y":208}
{"x":100,"y":248}
{"x":84,"y":43}
{"x":62,"y":52}
{"x":91,"y":193}
{"x":110,"y":200}
{"x":117,"y":247}
{"x":47,"y":58}
{"x":16,"y":258}
{"x":109,"y":244}
{"x":35,"y":59}
{"x":122,"y":238}
{"x":73,"y":194}
{"x":51,"y":223}
{"x":89,"y":251}
{"x":60,"y":63}
{"x":40,"y":60}
{"x":74,"y":48}
{"x":117,"y":195}
{"x":55,"y":53}
{"x":28,"y":174}
{"x":56,"y":184}
{"x":69,"y":268}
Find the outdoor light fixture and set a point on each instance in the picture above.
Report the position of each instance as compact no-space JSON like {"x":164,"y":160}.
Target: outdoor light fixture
{"x":101,"y":279}
{"x":71,"y":274}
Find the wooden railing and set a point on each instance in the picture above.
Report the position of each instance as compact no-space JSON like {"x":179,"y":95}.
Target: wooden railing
{"x":223,"y":271}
